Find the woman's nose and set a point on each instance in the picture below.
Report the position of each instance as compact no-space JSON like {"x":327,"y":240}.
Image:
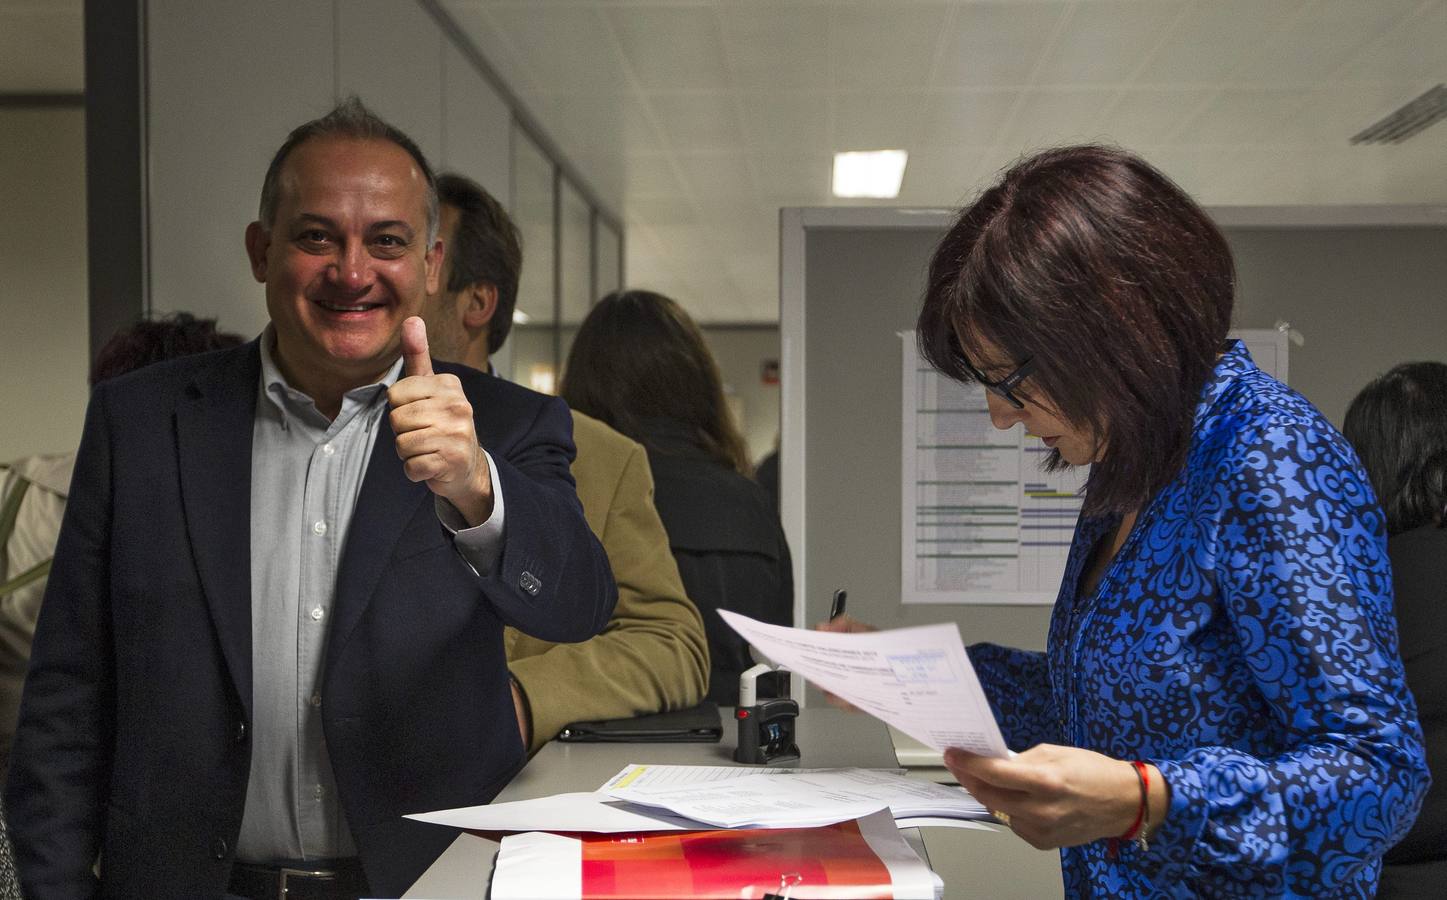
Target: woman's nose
{"x":1003,"y":414}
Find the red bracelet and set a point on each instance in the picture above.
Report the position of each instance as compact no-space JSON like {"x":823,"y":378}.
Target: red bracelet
{"x":1138,"y":828}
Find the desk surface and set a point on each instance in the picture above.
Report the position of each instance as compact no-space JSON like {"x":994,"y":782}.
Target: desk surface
{"x":972,"y":863}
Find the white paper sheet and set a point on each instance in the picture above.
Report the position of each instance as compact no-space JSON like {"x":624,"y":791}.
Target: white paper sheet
{"x":580,"y":811}
{"x":821,"y":797}
{"x":917,"y":679}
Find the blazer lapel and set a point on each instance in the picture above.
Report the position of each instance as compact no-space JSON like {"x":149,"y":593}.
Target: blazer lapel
{"x":386,"y":504}
{"x":213,"y":437}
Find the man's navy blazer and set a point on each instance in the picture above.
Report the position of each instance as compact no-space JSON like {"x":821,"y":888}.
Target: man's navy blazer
{"x":134,"y":739}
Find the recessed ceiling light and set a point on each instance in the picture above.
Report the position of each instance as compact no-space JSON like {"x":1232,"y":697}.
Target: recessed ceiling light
{"x":869,"y":173}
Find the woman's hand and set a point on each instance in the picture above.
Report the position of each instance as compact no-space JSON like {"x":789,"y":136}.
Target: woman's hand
{"x":1059,"y":796}
{"x":845,"y":623}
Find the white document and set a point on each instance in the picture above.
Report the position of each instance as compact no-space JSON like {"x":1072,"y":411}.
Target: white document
{"x":655,"y":776}
{"x":802,"y":799}
{"x":581,"y":811}
{"x":917,"y":679}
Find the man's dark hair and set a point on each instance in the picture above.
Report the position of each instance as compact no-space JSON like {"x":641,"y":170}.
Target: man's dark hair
{"x":487,"y":249}
{"x":1099,"y":268}
{"x":1398,"y":424}
{"x":639,"y":357}
{"x":153,"y":340}
{"x":350,"y":119}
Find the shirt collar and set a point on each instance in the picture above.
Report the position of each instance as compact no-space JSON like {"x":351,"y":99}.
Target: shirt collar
{"x":1235,"y":362}
{"x":292,"y":402}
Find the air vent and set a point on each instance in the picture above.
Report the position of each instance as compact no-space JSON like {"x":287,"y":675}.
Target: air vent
{"x":1411,"y":119}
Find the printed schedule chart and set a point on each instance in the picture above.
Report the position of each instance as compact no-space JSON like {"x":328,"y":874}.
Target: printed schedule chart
{"x":981,"y":521}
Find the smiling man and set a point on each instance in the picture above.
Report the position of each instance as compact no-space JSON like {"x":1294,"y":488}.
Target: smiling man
{"x":274,"y":624}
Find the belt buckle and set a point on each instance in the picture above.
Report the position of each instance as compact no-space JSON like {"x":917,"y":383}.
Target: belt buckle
{"x":284,"y":874}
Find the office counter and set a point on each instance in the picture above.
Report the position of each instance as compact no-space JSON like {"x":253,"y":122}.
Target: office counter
{"x":972,"y":863}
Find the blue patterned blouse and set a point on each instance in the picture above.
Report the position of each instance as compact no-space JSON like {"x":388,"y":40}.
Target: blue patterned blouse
{"x":1243,"y":641}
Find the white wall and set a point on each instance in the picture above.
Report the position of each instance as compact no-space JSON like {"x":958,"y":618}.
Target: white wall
{"x":227,"y":81}
{"x":44,"y":336}
{"x":741,"y":352}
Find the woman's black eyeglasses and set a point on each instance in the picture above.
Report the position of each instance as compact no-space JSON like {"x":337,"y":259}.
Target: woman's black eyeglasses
{"x":1005,"y":387}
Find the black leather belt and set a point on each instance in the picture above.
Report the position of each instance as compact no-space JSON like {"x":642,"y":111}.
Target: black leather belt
{"x":340,"y":879}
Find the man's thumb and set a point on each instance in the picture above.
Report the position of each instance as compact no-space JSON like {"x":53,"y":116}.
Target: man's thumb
{"x":415,"y":360}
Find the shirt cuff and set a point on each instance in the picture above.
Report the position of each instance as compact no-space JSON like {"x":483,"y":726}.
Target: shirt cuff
{"x":480,"y":545}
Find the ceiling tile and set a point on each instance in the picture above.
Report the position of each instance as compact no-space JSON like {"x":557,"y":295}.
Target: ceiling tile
{"x":699,"y":121}
{"x":794,"y":179}
{"x":1324,"y":37}
{"x":671,"y":48}
{"x":1047,"y":118}
{"x":660,"y":211}
{"x":1244,"y":116}
{"x":874,"y":46}
{"x":596,"y":123}
{"x":1213,"y":38}
{"x":772,"y":46}
{"x":1410,"y":52}
{"x":561,"y":46}
{"x":1149,"y":116}
{"x":1104,"y":42}
{"x":878,"y":121}
{"x":786,"y":121}
{"x":995,"y":44}
{"x":650,"y":175}
{"x":965,"y":118}
{"x":717,"y":177}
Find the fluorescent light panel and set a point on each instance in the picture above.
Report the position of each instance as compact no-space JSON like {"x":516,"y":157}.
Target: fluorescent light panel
{"x":869,"y":173}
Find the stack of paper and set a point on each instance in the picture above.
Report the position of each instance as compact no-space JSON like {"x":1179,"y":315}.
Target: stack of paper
{"x":642,"y":797}
{"x":859,"y":858}
{"x":799,"y":799}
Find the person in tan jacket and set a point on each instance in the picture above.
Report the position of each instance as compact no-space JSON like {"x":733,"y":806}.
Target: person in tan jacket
{"x":653,"y":654}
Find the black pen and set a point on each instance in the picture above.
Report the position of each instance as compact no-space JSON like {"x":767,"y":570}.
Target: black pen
{"x":836,"y":606}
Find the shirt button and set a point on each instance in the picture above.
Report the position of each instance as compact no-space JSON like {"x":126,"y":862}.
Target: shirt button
{"x":317,"y":614}
{"x":316,"y":698}
{"x":319,"y":792}
{"x":319,"y":528}
{"x":240,"y":732}
{"x":219,"y":848}
{"x":328,"y":449}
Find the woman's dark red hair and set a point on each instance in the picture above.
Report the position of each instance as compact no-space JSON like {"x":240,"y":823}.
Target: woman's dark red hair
{"x":1119,"y":286}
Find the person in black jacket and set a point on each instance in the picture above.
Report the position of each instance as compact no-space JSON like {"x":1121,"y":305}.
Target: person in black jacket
{"x":640,"y":364}
{"x":1398,"y":424}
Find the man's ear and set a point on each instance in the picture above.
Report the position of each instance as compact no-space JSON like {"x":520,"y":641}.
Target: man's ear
{"x":433,"y":259}
{"x":481,"y":301}
{"x":258,"y":241}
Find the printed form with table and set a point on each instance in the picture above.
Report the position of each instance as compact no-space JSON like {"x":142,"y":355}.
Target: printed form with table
{"x":764,"y":831}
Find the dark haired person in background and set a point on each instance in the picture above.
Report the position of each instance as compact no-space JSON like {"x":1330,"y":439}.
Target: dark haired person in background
{"x":1398,"y":424}
{"x":1221,"y":709}
{"x":32,"y":501}
{"x":640,"y":364}
{"x":653,"y":654}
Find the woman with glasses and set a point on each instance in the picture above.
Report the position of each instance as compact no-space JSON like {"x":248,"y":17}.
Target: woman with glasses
{"x":1398,"y":424}
{"x":1221,"y":709}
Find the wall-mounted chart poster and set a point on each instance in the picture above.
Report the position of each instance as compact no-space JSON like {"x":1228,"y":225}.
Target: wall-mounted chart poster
{"x":981,"y":521}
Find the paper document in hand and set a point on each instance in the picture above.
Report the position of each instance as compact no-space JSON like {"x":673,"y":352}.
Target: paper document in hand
{"x":917,"y":679}
{"x":817,"y":797}
{"x":864,"y":858}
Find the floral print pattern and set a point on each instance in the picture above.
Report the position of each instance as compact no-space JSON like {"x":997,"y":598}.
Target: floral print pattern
{"x":1243,"y":641}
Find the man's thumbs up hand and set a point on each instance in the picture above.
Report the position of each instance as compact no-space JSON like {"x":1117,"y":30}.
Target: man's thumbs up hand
{"x":436,"y":438}
{"x":415,"y":359}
